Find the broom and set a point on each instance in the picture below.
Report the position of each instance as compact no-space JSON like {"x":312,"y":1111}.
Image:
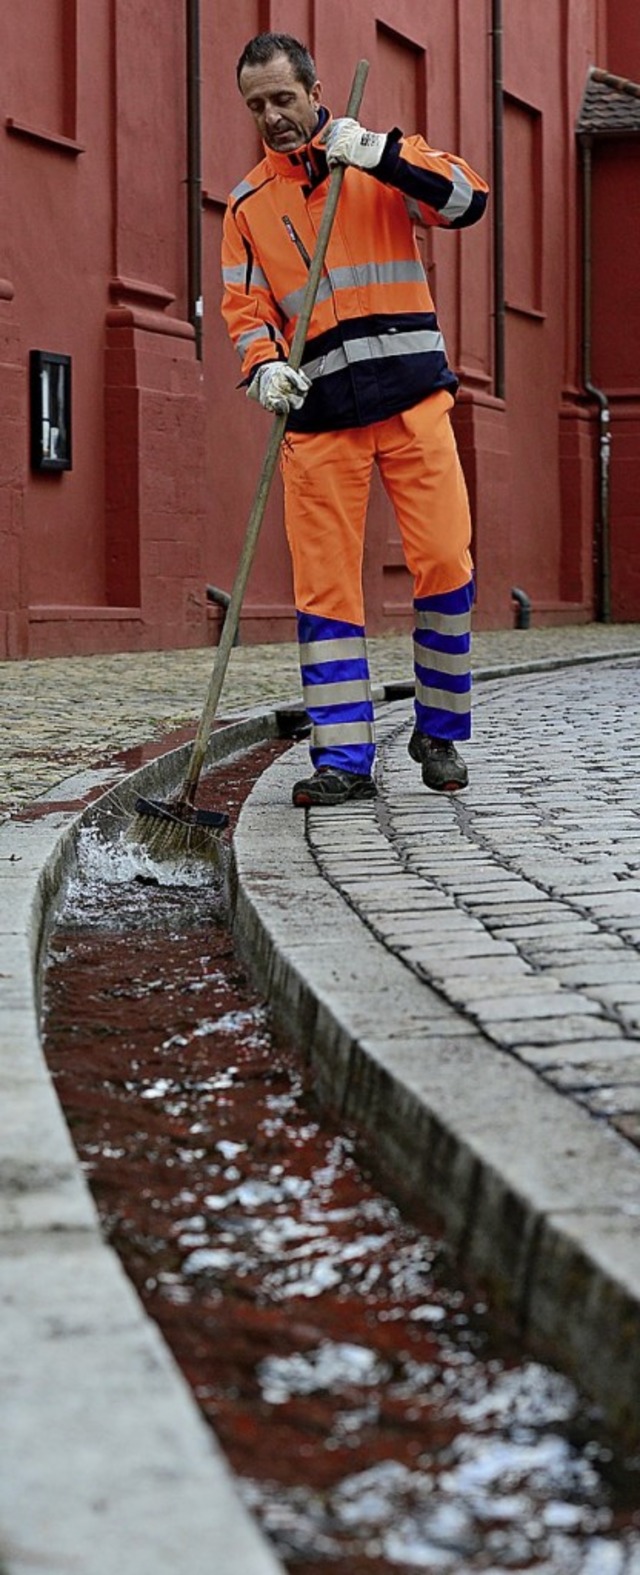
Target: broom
{"x":174,"y":828}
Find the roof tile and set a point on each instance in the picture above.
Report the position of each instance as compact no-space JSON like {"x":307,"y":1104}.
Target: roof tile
{"x":610,"y":106}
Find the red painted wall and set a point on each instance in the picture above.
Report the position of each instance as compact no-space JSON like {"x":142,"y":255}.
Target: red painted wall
{"x":623,"y":40}
{"x":616,"y":353}
{"x":108,"y":555}
{"x":53,"y":204}
{"x":117,"y":552}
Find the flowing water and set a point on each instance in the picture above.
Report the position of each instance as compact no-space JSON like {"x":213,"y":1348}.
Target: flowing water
{"x":378,"y":1417}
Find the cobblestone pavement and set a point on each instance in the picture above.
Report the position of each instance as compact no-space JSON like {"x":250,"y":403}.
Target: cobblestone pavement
{"x":57,"y":715}
{"x":518,"y":900}
{"x":534,"y":875}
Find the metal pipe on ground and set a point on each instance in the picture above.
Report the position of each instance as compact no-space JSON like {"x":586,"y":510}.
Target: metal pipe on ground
{"x":522,"y":608}
{"x":221,"y":599}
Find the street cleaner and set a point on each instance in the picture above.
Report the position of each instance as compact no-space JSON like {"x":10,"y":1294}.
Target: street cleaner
{"x":374,"y":386}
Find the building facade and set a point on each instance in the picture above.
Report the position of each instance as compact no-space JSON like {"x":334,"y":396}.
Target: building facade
{"x":129,"y":457}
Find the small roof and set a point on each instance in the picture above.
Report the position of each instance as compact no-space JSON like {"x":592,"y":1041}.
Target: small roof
{"x":610,"y":106}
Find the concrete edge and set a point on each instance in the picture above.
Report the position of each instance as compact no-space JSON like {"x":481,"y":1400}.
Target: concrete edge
{"x":551,"y":664}
{"x":113,"y":1468}
{"x":531,"y":665}
{"x":451,"y":1119}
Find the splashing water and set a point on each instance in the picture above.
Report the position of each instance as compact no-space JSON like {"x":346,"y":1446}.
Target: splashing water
{"x":110,"y":878}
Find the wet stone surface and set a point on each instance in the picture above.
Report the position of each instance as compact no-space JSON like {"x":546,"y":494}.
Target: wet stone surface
{"x":377,"y":1418}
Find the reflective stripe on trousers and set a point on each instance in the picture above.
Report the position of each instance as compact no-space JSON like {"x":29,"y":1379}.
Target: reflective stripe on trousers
{"x":337,"y":693}
{"x":327,"y":478}
{"x":442,"y":663}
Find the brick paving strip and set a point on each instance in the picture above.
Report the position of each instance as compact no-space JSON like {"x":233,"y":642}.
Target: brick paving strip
{"x":481,"y":1047}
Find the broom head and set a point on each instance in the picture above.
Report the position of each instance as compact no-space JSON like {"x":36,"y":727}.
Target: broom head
{"x":177,"y":830}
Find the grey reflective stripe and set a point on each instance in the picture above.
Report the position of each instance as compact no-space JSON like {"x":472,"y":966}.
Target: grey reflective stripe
{"x":460,"y":197}
{"x":406,"y":271}
{"x":253,"y":334}
{"x":443,"y":623}
{"x":342,"y":733}
{"x":291,"y":304}
{"x":420,"y":342}
{"x":319,"y":651}
{"x":351,"y":692}
{"x":241,"y":190}
{"x":414,"y":210}
{"x":249,"y":338}
{"x":443,"y":699}
{"x":238,"y":275}
{"x":259,"y":278}
{"x":440,"y":661}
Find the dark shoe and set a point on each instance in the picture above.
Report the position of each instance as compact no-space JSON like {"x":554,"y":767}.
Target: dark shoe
{"x":443,"y":769}
{"x":329,"y":785}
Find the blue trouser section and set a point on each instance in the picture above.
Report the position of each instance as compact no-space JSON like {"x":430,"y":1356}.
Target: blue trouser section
{"x":337,"y":693}
{"x":442,"y":661}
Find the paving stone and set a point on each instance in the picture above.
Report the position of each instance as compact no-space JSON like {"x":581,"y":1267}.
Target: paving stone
{"x":454,"y":923}
{"x":620,"y":1099}
{"x":619,"y":994}
{"x":507,"y":967}
{"x":513,"y":893}
{"x":528,"y":913}
{"x":541,"y":1001}
{"x":578,"y":1052}
{"x":538,"y":939}
{"x":442,"y":949}
{"x":552,"y":1031}
{"x":605,"y":972}
{"x":547,"y":956}
{"x":603,"y":1073}
{"x":493,"y":997}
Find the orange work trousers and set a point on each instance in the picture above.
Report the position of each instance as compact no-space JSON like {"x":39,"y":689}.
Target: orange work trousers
{"x":327,"y":481}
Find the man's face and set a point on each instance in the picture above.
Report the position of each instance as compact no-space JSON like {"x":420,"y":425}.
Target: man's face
{"x":284,"y":111}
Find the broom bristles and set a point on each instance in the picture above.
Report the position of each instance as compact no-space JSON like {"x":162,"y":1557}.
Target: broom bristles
{"x":171,"y":837}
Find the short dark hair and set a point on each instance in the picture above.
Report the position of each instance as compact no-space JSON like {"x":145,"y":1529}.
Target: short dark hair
{"x":261,"y":49}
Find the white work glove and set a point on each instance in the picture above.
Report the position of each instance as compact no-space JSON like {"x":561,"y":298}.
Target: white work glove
{"x":347,"y":142}
{"x":279,"y":388}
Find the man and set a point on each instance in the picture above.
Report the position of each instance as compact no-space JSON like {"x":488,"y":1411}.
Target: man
{"x":374,"y":386}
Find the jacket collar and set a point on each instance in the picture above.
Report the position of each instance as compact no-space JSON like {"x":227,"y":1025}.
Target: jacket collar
{"x":308,"y":165}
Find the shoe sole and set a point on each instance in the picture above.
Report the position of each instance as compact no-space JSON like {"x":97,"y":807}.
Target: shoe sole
{"x":440,"y":787}
{"x":446,"y":787}
{"x":302,"y":800}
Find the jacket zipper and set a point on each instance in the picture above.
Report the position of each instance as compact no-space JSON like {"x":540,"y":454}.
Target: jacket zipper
{"x":293,"y":236}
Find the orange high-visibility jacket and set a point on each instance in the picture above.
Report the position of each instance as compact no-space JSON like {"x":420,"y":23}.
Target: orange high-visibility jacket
{"x":374,"y":346}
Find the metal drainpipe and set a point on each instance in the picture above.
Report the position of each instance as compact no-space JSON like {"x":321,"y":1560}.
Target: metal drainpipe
{"x":194,"y":174}
{"x":221,"y":599}
{"x":497,"y":201}
{"x":602,"y":525}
